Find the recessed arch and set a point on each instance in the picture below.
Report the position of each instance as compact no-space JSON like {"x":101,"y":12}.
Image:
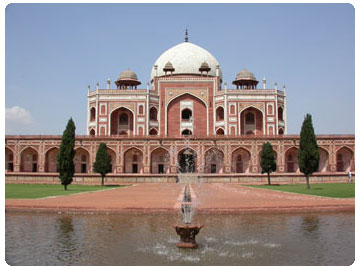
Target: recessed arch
{"x":186,"y":132}
{"x":186,"y":114}
{"x":344,"y":159}
{"x":252,"y":121}
{"x":276,"y":159}
{"x":51,"y":159}
{"x":133,"y":160}
{"x":92,"y":113}
{"x":153,"y":131}
{"x":186,"y":111}
{"x":81,"y":160}
{"x":291,"y":160}
{"x":324,"y":159}
{"x":160,"y":160}
{"x":214,"y":160}
{"x":219,"y":113}
{"x":29,"y":160}
{"x":112,"y":155}
{"x":153,"y":114}
{"x":220,"y":131}
{"x":280,"y":113}
{"x":187,"y":160}
{"x":187,"y":93}
{"x":9,"y":159}
{"x":240,"y":160}
{"x":122,"y":121}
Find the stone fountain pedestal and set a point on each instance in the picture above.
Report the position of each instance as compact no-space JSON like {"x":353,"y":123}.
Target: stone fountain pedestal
{"x":187,"y":235}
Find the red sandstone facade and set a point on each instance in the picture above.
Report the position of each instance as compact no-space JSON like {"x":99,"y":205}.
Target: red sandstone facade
{"x":188,"y":110}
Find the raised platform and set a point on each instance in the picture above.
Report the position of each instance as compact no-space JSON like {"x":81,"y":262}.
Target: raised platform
{"x":95,"y":179}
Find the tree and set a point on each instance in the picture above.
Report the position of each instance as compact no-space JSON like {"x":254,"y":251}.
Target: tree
{"x":102,"y":163}
{"x":65,"y":163}
{"x":308,"y":154}
{"x":267,"y":162}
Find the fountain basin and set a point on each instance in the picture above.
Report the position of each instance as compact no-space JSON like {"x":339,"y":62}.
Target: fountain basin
{"x":187,"y":235}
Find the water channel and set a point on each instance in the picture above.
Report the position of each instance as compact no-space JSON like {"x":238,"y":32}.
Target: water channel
{"x":149,"y":239}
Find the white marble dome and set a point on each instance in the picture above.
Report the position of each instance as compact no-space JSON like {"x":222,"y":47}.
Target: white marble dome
{"x":186,"y":58}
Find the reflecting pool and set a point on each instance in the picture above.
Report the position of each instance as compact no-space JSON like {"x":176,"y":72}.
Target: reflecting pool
{"x":150,"y":239}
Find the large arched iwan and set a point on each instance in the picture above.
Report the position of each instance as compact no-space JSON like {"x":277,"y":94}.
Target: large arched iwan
{"x":199,"y":115}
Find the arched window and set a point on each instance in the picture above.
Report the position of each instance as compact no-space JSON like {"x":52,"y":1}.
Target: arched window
{"x":141,"y":109}
{"x":186,"y":132}
{"x":232,"y":109}
{"x":219,"y":114}
{"x":153,"y":131}
{"x":92,"y":114}
{"x":153,"y":114}
{"x":280,"y":114}
{"x":123,"y":119}
{"x":92,"y":132}
{"x":281,"y":131}
{"x":186,"y":114}
{"x":220,"y":131}
{"x":250,"y":118}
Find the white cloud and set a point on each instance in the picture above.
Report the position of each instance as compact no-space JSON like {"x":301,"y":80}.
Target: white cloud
{"x":17,"y":118}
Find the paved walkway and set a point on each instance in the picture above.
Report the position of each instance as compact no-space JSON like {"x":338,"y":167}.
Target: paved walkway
{"x":216,"y":197}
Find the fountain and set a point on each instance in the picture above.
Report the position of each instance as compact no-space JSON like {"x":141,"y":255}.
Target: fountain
{"x":187,"y":231}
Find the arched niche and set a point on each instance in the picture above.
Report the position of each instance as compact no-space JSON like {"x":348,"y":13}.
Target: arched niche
{"x":51,"y":160}
{"x":29,"y":160}
{"x":9,"y":160}
{"x":81,"y":160}
{"x":344,"y":160}
{"x":323,"y":161}
{"x":291,"y":160}
{"x":133,"y":161}
{"x":122,"y":122}
{"x":187,"y":160}
{"x":251,"y":121}
{"x":160,"y":160}
{"x":214,"y":161}
{"x":240,"y":161}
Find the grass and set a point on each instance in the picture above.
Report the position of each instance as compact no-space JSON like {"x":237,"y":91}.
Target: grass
{"x":333,"y":190}
{"x":34,"y":191}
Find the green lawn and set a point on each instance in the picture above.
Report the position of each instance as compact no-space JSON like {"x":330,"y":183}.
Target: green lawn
{"x":333,"y":190}
{"x":33,"y":191}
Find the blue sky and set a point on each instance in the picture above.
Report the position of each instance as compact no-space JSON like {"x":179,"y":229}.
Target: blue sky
{"x":54,"y":51}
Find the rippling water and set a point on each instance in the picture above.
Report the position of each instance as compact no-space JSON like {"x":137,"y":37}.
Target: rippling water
{"x":149,"y":239}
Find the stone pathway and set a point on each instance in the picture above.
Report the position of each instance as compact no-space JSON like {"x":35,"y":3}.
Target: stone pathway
{"x":216,"y":197}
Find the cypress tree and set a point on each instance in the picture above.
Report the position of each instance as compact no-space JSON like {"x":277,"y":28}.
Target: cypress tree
{"x":102,"y":163}
{"x":267,"y":162}
{"x":65,"y":163}
{"x":308,"y":154}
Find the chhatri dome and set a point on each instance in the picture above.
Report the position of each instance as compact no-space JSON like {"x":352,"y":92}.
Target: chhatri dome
{"x":185,"y":58}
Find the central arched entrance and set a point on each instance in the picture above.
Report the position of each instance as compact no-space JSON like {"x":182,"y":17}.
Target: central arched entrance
{"x":187,"y":161}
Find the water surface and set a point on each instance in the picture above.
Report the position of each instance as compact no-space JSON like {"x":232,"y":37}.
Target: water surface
{"x":149,"y":239}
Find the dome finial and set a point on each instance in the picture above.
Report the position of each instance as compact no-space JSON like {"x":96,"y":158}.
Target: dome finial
{"x":186,"y":35}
